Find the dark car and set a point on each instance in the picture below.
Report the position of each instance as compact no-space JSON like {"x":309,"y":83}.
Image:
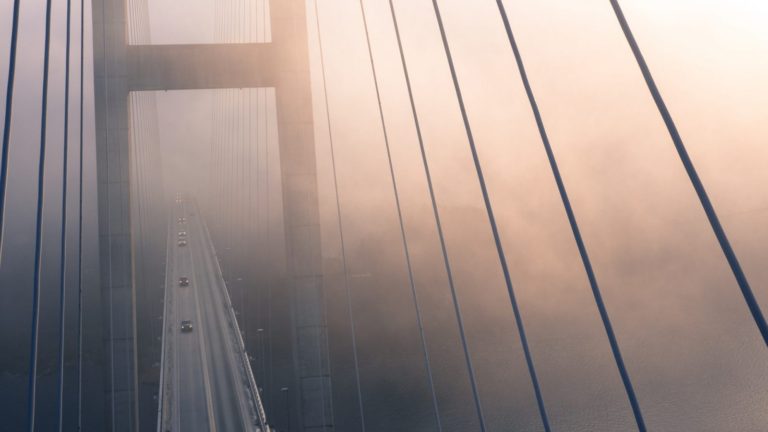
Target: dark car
{"x":182,"y":219}
{"x":182,"y":242}
{"x":186,"y":326}
{"x":183,"y":281}
{"x":182,"y":234}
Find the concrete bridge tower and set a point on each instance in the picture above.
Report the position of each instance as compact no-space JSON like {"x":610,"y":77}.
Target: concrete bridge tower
{"x":120,"y":68}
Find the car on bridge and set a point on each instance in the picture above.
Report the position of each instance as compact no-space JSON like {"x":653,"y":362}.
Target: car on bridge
{"x":183,"y":281}
{"x":182,"y":243}
{"x":186,"y":326}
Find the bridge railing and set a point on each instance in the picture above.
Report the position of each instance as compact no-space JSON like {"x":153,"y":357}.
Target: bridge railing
{"x":165,"y":395}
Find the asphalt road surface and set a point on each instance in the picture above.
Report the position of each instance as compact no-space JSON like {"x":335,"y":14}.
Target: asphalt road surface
{"x":210,"y":387}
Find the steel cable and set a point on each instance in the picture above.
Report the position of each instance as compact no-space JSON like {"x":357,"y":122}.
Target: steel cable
{"x":63,"y":249}
{"x":574,"y":224}
{"x":80,"y":232}
{"x":32,"y":384}
{"x":8,"y":115}
{"x":350,"y":311}
{"x":406,"y":251}
{"x":492,"y":221}
{"x":698,"y":186}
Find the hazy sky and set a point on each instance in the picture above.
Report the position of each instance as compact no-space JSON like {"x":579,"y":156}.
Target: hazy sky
{"x":689,"y":342}
{"x":674,"y":304}
{"x":694,"y":354}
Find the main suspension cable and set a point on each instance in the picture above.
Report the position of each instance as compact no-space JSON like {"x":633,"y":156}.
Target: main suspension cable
{"x":406,"y":251}
{"x":574,"y":224}
{"x":350,"y":311}
{"x":8,"y":115}
{"x":63,"y":240}
{"x":698,"y":186}
{"x":438,"y":224}
{"x":110,"y":290}
{"x":80,"y":233}
{"x":492,"y":221}
{"x":33,"y":346}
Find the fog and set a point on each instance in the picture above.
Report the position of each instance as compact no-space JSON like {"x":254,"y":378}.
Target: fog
{"x":695,"y":357}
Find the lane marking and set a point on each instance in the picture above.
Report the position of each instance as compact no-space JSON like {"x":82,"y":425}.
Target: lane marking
{"x":203,"y":349}
{"x":220,"y":297}
{"x":227,"y":332}
{"x":170,"y":322}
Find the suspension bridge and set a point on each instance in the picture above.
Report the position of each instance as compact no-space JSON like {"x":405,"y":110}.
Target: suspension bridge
{"x":218,"y":307}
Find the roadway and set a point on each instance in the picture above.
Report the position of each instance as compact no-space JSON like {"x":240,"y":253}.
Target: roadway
{"x":209,"y":388}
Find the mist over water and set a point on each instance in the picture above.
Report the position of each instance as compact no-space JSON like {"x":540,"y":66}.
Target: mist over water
{"x":691,"y":348}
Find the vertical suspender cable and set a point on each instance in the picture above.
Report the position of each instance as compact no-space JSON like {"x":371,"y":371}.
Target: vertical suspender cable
{"x":250,"y":275}
{"x":226,"y":213}
{"x":8,"y":114}
{"x":216,"y":8}
{"x":246,"y":21}
{"x":257,"y":182}
{"x":240,"y":200}
{"x":239,"y":24}
{"x":231,"y":171}
{"x":223,"y":168}
{"x":414,"y":294}
{"x":574,"y":225}
{"x":249,"y":180}
{"x":698,"y":186}
{"x":33,"y":345}
{"x":268,"y":348}
{"x":233,"y":190}
{"x":257,"y":275}
{"x":257,"y":234}
{"x":492,"y":221}
{"x":223,"y":174}
{"x":63,"y":250}
{"x":80,"y":234}
{"x":205,"y":185}
{"x":211,"y":161}
{"x":222,"y":164}
{"x":216,"y":149}
{"x":230,"y":176}
{"x":275,"y":276}
{"x":350,"y":311}
{"x":268,"y":240}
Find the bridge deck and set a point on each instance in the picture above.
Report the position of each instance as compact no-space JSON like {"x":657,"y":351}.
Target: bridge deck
{"x":206,"y":384}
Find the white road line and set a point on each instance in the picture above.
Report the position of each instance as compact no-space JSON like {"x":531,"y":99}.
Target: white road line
{"x":230,"y":325}
{"x":203,"y":349}
{"x":175,"y":342}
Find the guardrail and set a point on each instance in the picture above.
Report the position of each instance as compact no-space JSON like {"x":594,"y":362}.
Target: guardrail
{"x":165,"y":398}
{"x":254,"y":389}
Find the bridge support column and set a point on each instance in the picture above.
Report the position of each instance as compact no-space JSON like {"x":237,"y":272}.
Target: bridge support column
{"x":115,"y":240}
{"x":302,"y":219}
{"x":119,"y":69}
